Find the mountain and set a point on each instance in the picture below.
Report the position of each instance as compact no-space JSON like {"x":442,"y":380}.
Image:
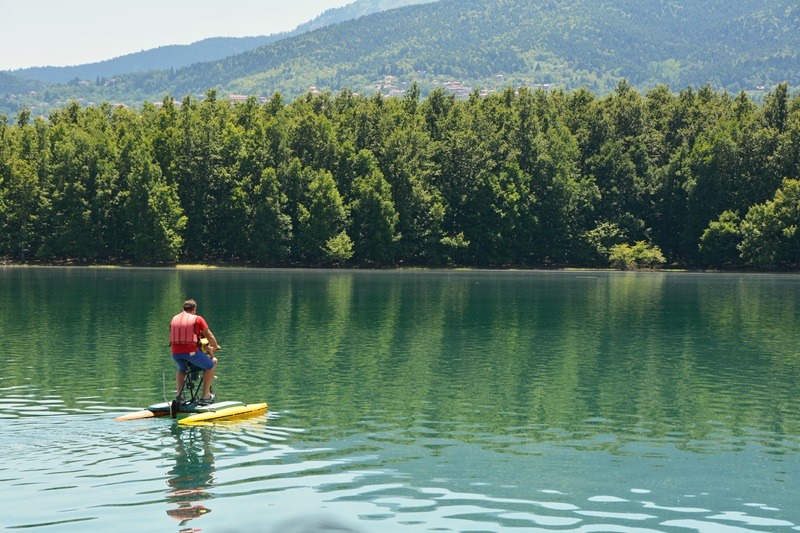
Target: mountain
{"x":212,"y":49}
{"x":488,"y":44}
{"x":161,"y":58}
{"x":14,"y":84}
{"x":570,"y":43}
{"x":355,"y":10}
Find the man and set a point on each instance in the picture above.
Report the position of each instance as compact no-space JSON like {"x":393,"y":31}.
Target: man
{"x":185,"y":332}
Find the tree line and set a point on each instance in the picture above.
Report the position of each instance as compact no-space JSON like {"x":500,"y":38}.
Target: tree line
{"x":520,"y":178}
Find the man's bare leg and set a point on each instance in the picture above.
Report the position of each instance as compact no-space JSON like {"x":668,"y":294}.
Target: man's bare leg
{"x":180,"y":377}
{"x":208,"y":377}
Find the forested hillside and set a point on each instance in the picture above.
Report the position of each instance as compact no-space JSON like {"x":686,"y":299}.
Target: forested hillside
{"x":178,"y":56}
{"x":569,"y":43}
{"x":357,"y":9}
{"x":525,"y":178}
{"x":13,"y":84}
{"x":492,"y":44}
{"x":56,"y":86}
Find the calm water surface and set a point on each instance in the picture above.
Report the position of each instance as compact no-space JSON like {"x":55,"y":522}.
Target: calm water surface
{"x":405,"y":401}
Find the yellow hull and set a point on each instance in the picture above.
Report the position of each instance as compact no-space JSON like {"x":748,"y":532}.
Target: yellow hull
{"x":228,"y":413}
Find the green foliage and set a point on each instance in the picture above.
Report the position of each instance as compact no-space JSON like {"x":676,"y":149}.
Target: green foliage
{"x":719,"y":245}
{"x":522,"y":178}
{"x":270,"y":227}
{"x":339,"y":249}
{"x":603,"y":238}
{"x":640,"y":255}
{"x":374,"y":217}
{"x":770,"y":236}
{"x":321,"y":216}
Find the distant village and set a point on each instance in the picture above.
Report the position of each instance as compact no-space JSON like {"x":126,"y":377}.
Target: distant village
{"x":394,"y":87}
{"x":389,"y":86}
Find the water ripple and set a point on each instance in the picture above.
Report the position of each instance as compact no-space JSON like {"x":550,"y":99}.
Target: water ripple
{"x":194,"y":473}
{"x":619,"y":406}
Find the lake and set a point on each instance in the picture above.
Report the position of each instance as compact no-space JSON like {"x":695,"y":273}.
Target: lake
{"x":405,"y":401}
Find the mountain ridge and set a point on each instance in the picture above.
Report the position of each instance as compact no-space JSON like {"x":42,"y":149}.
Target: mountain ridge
{"x":488,"y":44}
{"x":556,"y":36}
{"x":176,"y":56}
{"x":159,"y":58}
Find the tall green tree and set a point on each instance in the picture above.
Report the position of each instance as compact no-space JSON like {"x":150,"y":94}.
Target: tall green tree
{"x":321,"y":215}
{"x":715,"y":163}
{"x":619,"y":166}
{"x":23,"y":156}
{"x":270,"y":231}
{"x":373,"y":215}
{"x":68,"y":219}
{"x":201,"y":177}
{"x":152,"y":207}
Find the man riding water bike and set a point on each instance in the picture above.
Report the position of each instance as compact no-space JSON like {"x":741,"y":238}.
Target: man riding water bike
{"x":185,"y":332}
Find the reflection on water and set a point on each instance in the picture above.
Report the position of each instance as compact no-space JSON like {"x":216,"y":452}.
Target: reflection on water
{"x":411,"y":401}
{"x":264,"y":476}
{"x":193,"y":473}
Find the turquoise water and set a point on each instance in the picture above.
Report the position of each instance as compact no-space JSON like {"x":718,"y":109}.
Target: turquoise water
{"x":405,"y":401}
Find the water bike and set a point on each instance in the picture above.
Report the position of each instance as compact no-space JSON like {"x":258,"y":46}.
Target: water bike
{"x":188,"y":407}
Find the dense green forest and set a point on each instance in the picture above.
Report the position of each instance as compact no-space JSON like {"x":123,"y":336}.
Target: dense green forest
{"x":486,"y":44}
{"x":523,"y":178}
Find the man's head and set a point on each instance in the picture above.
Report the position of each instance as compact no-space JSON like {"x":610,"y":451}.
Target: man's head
{"x":190,"y":306}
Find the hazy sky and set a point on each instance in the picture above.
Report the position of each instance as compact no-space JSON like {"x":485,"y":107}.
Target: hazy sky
{"x":74,"y":32}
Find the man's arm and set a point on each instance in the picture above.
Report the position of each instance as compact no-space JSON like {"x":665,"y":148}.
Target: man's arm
{"x":211,"y":339}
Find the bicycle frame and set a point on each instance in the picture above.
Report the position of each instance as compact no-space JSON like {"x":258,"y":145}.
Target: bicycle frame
{"x":190,"y":392}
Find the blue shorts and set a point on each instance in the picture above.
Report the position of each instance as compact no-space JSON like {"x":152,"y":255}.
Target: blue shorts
{"x":199,"y":359}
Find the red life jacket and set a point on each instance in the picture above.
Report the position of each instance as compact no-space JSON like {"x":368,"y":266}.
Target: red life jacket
{"x":181,"y":329}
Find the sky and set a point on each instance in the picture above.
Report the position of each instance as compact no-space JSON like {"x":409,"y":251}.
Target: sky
{"x":75,"y":32}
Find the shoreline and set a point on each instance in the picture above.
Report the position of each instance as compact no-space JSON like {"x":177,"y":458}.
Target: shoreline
{"x":226,"y":266}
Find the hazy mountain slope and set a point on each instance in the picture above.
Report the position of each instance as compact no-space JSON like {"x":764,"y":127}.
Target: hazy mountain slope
{"x":567,"y":42}
{"x":161,"y":58}
{"x":355,"y":10}
{"x":212,"y":49}
{"x":495,"y":43}
{"x":11,"y":83}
